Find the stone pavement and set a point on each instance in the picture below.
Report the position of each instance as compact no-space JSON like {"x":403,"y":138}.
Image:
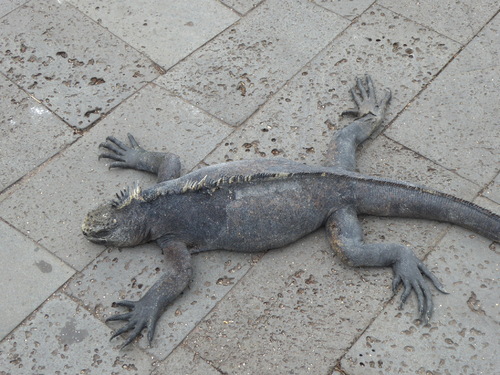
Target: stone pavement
{"x":217,"y":80}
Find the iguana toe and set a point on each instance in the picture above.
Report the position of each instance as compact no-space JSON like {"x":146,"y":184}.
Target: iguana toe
{"x":410,"y":271}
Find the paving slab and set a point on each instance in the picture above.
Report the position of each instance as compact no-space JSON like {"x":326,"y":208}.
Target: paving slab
{"x":458,"y":117}
{"x":167,"y":33}
{"x":50,"y":207}
{"x":129,"y":273}
{"x":461,"y":337}
{"x":233,"y":74}
{"x":493,"y":190}
{"x":29,"y":274}
{"x":63,"y":338}
{"x":296,"y":300}
{"x":30,"y":133}
{"x":242,"y":6}
{"x":185,"y":362}
{"x":78,"y":70}
{"x":481,"y":53}
{"x":459,"y":20}
{"x":299,"y":120}
{"x":348,"y":9}
{"x":9,"y":6}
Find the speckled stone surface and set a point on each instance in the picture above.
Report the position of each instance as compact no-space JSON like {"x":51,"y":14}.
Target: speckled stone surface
{"x":226,"y":80}
{"x":30,"y":133}
{"x":78,"y":70}
{"x":238,"y":71}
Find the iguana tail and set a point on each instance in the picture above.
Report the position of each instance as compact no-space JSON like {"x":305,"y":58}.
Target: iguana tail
{"x":390,"y":198}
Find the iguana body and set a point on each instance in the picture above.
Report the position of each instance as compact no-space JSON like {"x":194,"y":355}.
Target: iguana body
{"x":265,"y":204}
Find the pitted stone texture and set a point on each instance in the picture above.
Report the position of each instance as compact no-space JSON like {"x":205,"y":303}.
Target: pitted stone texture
{"x":29,"y":134}
{"x":300,"y":119}
{"x":50,"y":207}
{"x":77,"y":69}
{"x":456,"y":116}
{"x":184,"y":362}
{"x":493,"y":190}
{"x":459,"y":20}
{"x":29,"y":274}
{"x":296,"y":300}
{"x":482,"y":53}
{"x":62,"y":338}
{"x":461,"y":338}
{"x":242,"y":6}
{"x":348,"y":9}
{"x":236,"y":72}
{"x":165,"y":33}
{"x":9,"y":6}
{"x":128,"y":274}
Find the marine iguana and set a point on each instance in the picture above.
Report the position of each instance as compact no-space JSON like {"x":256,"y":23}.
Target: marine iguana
{"x":264,"y":204}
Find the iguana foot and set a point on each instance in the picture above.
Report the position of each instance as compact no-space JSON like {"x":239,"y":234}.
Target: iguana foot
{"x":366,"y":100}
{"x":125,"y":156}
{"x":409,"y":270}
{"x":143,"y":314}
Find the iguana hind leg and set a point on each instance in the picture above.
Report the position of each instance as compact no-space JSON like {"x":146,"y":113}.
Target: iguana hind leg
{"x":346,"y":238}
{"x":165,"y":165}
{"x":342,"y":148}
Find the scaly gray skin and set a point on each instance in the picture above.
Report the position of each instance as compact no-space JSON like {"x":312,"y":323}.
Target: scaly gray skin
{"x":268,"y":204}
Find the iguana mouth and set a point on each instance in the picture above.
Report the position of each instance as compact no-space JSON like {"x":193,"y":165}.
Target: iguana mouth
{"x":99,"y":241}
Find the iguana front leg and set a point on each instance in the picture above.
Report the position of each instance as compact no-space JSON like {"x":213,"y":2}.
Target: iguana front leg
{"x":371,"y":113}
{"x":346,"y":238}
{"x":166,"y":165}
{"x":146,"y":312}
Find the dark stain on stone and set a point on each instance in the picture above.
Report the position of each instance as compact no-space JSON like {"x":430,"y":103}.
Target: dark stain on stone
{"x":69,"y":334}
{"x":44,"y":266}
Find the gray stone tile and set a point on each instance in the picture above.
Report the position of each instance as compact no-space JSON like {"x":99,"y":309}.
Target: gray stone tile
{"x":63,"y":338}
{"x":77,"y":69}
{"x":300,"y":119}
{"x":296,"y":300}
{"x":349,"y":9}
{"x":167,"y":33}
{"x":481,"y":53}
{"x":50,"y":207}
{"x":9,"y":6}
{"x":457,"y":345}
{"x":459,"y":20}
{"x":129,"y":273}
{"x":28,"y":274}
{"x":30,"y":133}
{"x":493,"y":190}
{"x":235,"y":73}
{"x":184,"y":362}
{"x":462,"y":335}
{"x":454,"y":122}
{"x":242,"y":6}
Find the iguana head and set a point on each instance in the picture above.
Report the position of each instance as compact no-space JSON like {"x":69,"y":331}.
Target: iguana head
{"x":119,"y":222}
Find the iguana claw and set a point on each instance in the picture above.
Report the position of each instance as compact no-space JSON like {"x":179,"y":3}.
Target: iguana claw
{"x":366,"y":100}
{"x":124,"y":156}
{"x":141,"y":316}
{"x":409,"y":270}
